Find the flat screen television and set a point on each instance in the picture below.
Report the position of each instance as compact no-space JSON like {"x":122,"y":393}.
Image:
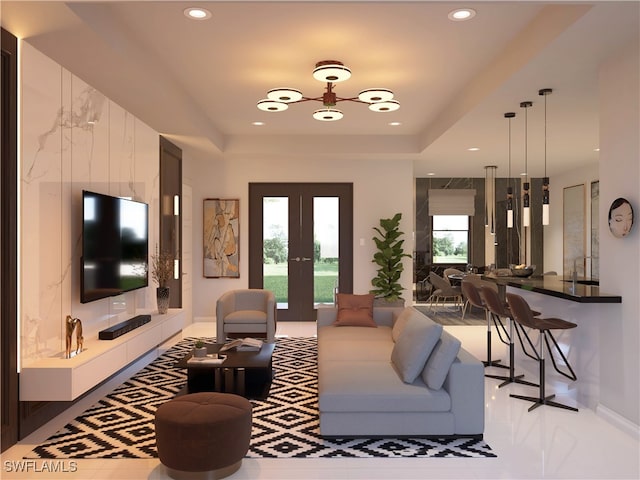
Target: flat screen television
{"x":115,"y":246}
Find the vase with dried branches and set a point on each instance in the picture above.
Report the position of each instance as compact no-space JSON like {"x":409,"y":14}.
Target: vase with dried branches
{"x":162,"y":264}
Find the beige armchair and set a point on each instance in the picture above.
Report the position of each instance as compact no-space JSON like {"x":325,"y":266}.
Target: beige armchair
{"x":246,"y":313}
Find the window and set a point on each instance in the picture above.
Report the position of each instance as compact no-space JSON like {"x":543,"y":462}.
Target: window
{"x":450,"y":239}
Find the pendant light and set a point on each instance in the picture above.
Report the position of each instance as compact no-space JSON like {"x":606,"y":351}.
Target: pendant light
{"x":490,"y":198}
{"x":545,"y":181}
{"x":509,"y":115}
{"x":526,"y":210}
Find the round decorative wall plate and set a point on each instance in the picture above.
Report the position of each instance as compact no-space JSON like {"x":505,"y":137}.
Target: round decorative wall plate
{"x":620,"y":217}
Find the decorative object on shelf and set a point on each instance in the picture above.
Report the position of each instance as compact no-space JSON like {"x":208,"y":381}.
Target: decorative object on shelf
{"x":490,"y":198}
{"x":221,"y":238}
{"x":72,"y":324}
{"x":526,"y":210}
{"x":329,"y":71}
{"x":200,"y":350}
{"x":162,"y":267}
{"x":620,"y":217}
{"x":389,"y":259}
{"x":163,"y":297}
{"x":509,"y":115}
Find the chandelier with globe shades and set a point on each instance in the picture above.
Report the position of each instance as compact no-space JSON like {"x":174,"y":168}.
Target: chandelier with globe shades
{"x":331,"y":72}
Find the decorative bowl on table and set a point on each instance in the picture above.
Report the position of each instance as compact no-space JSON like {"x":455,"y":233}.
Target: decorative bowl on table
{"x":522,"y":270}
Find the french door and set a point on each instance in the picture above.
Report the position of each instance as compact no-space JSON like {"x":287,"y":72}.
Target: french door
{"x":301,"y":244}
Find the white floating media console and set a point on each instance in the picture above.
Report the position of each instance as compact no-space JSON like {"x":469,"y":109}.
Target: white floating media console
{"x":61,"y":379}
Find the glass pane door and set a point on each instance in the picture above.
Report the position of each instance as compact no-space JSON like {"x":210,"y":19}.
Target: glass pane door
{"x":275,"y":231}
{"x":300,"y":244}
{"x":326,"y":255}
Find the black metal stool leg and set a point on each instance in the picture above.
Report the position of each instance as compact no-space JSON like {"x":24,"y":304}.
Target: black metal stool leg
{"x":489,"y":362}
{"x":512,"y":378}
{"x":542,"y":399}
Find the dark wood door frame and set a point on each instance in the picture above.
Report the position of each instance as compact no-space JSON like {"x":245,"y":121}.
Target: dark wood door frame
{"x":9,"y":242}
{"x":307,"y":191}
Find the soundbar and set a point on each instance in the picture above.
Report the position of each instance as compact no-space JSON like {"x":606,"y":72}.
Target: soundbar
{"x":123,"y":327}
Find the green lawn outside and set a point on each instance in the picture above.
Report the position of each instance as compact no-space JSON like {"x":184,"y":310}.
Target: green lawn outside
{"x":326,"y":276}
{"x":450,"y":259}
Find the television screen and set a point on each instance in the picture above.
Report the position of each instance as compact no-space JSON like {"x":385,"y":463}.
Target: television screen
{"x":115,"y":246}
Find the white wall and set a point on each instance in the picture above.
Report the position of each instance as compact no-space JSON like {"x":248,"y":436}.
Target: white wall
{"x":553,"y":252}
{"x":380,"y":189}
{"x":620,"y":257}
{"x":62,"y":153}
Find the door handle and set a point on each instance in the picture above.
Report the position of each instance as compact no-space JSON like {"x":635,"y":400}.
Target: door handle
{"x":300,"y":259}
{"x":296,"y":259}
{"x":306,"y":259}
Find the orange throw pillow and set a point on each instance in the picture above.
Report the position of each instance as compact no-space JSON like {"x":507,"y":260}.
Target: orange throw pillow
{"x":355,"y":310}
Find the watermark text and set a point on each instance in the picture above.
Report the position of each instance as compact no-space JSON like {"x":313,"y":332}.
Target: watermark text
{"x":40,"y":466}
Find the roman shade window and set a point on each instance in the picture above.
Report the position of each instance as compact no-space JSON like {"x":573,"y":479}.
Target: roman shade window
{"x":452,"y":201}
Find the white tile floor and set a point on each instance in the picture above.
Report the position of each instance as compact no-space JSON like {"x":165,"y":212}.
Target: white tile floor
{"x":545,"y":443}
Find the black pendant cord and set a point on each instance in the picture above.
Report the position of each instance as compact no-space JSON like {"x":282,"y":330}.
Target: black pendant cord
{"x":545,"y":135}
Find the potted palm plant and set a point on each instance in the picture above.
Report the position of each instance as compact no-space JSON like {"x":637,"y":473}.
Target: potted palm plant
{"x":162,"y":272}
{"x":389,"y":260}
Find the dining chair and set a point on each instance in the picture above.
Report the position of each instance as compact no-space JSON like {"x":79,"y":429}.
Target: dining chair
{"x":443,"y":290}
{"x":451,"y":271}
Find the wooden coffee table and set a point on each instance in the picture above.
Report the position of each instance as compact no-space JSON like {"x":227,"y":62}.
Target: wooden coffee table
{"x":244,"y":373}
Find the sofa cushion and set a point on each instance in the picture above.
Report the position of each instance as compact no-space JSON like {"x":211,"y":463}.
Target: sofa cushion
{"x":401,"y":322}
{"x":246,"y":316}
{"x":370,"y":386}
{"x":437,"y":367}
{"x":414,"y":346}
{"x":354,"y":343}
{"x":355,"y":310}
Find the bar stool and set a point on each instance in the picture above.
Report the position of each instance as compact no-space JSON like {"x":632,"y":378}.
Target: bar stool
{"x":523,"y":315}
{"x":497,"y":308}
{"x":472,"y":293}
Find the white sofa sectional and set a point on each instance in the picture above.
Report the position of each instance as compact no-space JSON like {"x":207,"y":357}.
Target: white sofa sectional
{"x":363,"y":392}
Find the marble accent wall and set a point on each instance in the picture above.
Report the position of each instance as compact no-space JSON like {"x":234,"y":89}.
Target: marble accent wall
{"x":512,"y":245}
{"x":73,"y":138}
{"x":422,"y":255}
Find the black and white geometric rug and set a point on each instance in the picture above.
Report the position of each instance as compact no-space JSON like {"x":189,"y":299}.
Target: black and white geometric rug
{"x":285,"y":425}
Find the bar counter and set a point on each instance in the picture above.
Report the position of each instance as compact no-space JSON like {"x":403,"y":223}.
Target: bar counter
{"x":557,"y":286}
{"x":585,"y":306}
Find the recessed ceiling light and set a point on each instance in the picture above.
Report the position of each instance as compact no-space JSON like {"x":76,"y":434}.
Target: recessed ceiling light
{"x":258,"y":124}
{"x":197,"y":13}
{"x":431,"y":174}
{"x":461,"y":14}
{"x":596,"y":149}
{"x":473,"y":149}
{"x":395,"y":124}
{"x":523,"y":174}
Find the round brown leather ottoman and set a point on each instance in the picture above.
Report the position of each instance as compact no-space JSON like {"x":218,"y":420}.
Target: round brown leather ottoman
{"x":203,"y":435}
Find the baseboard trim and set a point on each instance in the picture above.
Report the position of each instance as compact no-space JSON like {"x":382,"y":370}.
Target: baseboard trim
{"x":618,"y":421}
{"x":204,"y":319}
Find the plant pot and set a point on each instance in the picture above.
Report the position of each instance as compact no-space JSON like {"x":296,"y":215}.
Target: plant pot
{"x":383,"y":302}
{"x":200,"y":352}
{"x":162,"y":297}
